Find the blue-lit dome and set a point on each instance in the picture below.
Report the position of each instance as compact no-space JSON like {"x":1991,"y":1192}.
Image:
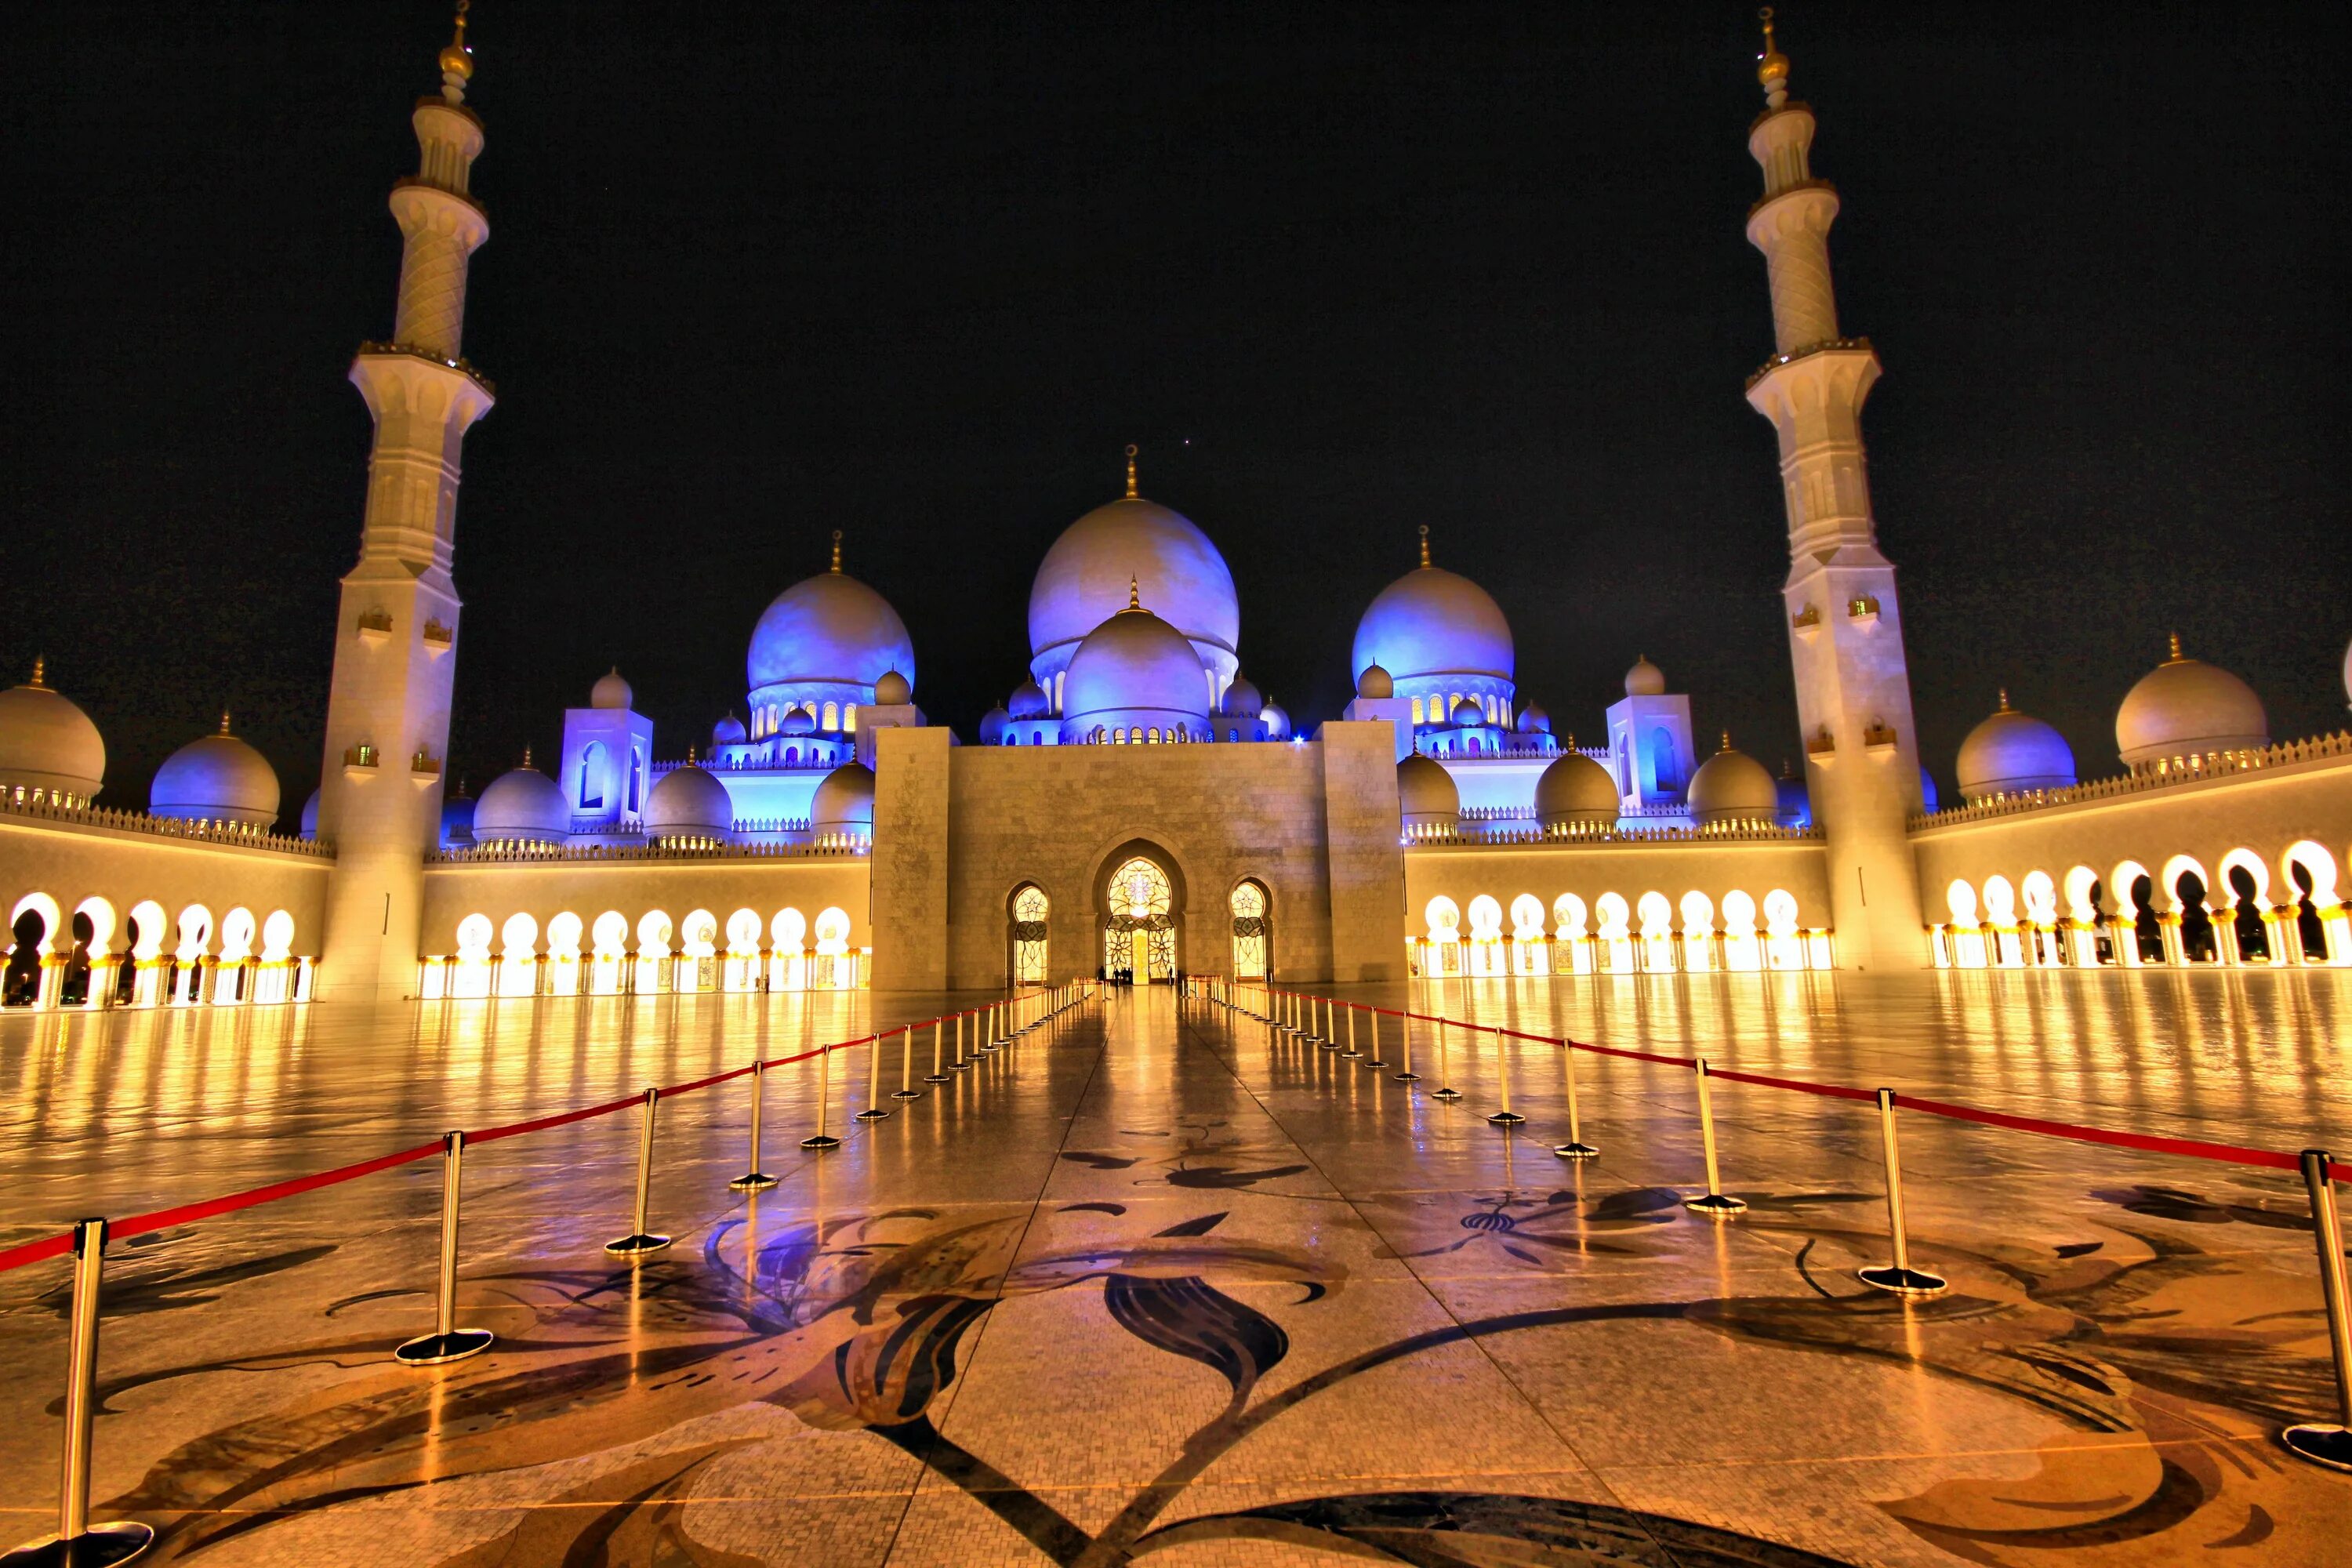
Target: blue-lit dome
{"x":457,"y":820}
{"x":1135,"y":670}
{"x":215,"y":778}
{"x":1274,"y":721}
{"x":1243,"y":699}
{"x":2011,"y":752}
{"x":1434,"y":622}
{"x":1082,"y":581}
{"x":991,"y":726}
{"x":831,"y":629}
{"x":844,"y":803}
{"x":1029,"y":701}
{"x":729,"y":732}
{"x":311,"y":816}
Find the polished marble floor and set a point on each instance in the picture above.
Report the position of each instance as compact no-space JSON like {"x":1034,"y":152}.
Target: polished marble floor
{"x":1158,"y":1282}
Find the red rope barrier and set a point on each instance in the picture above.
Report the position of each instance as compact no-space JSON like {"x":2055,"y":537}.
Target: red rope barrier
{"x":208,"y":1208}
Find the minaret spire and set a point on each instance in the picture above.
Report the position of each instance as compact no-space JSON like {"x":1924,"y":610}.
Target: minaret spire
{"x":396,"y":631}
{"x":835,"y":568}
{"x":1131,"y":494}
{"x":1424,"y":545}
{"x":1845,"y":627}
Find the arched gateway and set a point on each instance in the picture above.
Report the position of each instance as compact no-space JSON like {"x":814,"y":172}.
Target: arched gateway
{"x":1140,"y":903}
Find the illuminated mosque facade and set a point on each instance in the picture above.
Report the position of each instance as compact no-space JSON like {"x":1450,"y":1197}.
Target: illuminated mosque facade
{"x":1136,"y":807}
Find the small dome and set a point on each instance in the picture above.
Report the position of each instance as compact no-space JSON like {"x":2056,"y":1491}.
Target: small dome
{"x":1029,"y":701}
{"x":2011,"y":751}
{"x":1927,"y":797}
{"x":799,"y":722}
{"x":1243,"y":700}
{"x":1275,"y":720}
{"x":1427,"y":793}
{"x":845,"y":800}
{"x":687,"y":803}
{"x":48,"y":744}
{"x":729,"y":732}
{"x":2185,"y":707}
{"x":892,"y":690}
{"x":522,"y":806}
{"x":829,"y":627}
{"x":1645,"y":680}
{"x":611,"y":690}
{"x":1435,"y":622}
{"x":1375,"y":684}
{"x":311,"y":816}
{"x":1135,"y":668}
{"x":1534,"y":721}
{"x":1733,"y":787}
{"x":215,"y":778}
{"x":457,"y":820}
{"x":1576,"y":789}
{"x":991,"y":726}
{"x":1466,"y":711}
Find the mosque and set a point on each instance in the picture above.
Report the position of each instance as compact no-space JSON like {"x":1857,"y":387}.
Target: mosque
{"x":1136,"y":807}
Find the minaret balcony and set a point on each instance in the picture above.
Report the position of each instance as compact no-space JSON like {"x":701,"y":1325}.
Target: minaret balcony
{"x":1821,"y":745}
{"x":423,"y":768}
{"x":1807,"y":623}
{"x":1862,"y":611}
{"x":1879,"y":738}
{"x":437,"y":638}
{"x":360,"y":762}
{"x":375,"y":626}
{"x":1827,"y":345}
{"x":461,"y":364}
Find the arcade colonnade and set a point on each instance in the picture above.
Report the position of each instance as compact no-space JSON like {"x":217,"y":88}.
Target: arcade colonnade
{"x":92,"y":955}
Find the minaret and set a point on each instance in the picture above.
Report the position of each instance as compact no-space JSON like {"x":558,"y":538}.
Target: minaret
{"x":396,"y":631}
{"x":1845,"y":628}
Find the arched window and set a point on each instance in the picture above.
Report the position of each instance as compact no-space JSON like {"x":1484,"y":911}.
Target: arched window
{"x":591,"y":791}
{"x":1057,"y":692}
{"x":1250,"y":934}
{"x":1232,"y":734}
{"x":1417,"y":715}
{"x":831,"y":723}
{"x":849,"y":719}
{"x":1666,"y":766}
{"x":637,"y":777}
{"x":1030,"y":909}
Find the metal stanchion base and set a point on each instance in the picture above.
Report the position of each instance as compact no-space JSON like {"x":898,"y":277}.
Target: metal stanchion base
{"x":1374,"y":1062}
{"x":432,"y":1350}
{"x":1351,"y":1055}
{"x":1577,"y":1151}
{"x":907,"y":1093}
{"x":117,"y":1540}
{"x":1447,"y":1094}
{"x":2313,"y":1440}
{"x":821,"y":1141}
{"x":964,"y":1066}
{"x":645,"y":1241}
{"x":1902,"y":1281}
{"x":1408,"y":1078}
{"x":1715,"y":1205}
{"x":940,"y":1077}
{"x":752,"y":1182}
{"x":1507,"y":1119}
{"x":872,"y":1113}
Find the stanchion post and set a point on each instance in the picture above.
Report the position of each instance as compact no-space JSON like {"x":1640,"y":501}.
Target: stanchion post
{"x":820,"y":1139}
{"x":1404,"y":1027}
{"x":2320,"y":1442}
{"x":936,"y":1075}
{"x":1714,"y":1204}
{"x":1576,"y":1147}
{"x":1444,"y":1067}
{"x":640,"y":1240}
{"x":1373,"y":1057}
{"x":78,"y":1542}
{"x":753,"y":1179}
{"x":907,"y":1090}
{"x":1899,"y":1277}
{"x":447,"y":1341}
{"x":874,"y":1111}
{"x":963,"y":1023}
{"x":1351,"y":1053}
{"x":1506,"y":1117}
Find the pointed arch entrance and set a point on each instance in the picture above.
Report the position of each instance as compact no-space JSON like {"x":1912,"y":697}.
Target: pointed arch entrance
{"x":1141,"y":901}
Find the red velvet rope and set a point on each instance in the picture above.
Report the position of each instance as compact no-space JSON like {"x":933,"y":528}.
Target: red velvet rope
{"x":2146,"y":1142}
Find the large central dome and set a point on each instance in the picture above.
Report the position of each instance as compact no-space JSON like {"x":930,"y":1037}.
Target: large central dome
{"x":1084,"y":580}
{"x":1432,"y":623}
{"x":830,"y":627}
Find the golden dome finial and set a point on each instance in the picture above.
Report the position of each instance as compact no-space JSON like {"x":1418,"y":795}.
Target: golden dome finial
{"x":693,"y":756}
{"x":2177,"y":654}
{"x":223,"y":729}
{"x":40,"y":669}
{"x":1131,"y":494}
{"x":457,"y":60}
{"x":526,"y":756}
{"x":1424,"y":545}
{"x":2004,"y":698}
{"x":1727,"y":739}
{"x":1771,"y":66}
{"x":1134,"y":597}
{"x":836,"y":550}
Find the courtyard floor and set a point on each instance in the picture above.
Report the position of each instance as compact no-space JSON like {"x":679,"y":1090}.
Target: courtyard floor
{"x":1157,"y":1281}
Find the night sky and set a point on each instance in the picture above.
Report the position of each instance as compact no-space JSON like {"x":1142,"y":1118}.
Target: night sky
{"x":758,"y":272}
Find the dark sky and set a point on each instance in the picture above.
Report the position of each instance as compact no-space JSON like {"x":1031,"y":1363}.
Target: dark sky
{"x":757,"y":272}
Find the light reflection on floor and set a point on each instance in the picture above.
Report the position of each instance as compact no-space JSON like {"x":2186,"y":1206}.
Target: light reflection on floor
{"x":1152,"y":1284}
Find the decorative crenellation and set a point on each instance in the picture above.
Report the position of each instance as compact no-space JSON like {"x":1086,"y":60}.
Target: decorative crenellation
{"x":1440,"y":836}
{"x":18,"y":802}
{"x":1826,"y":345}
{"x":830,"y":845}
{"x":2178,"y":771}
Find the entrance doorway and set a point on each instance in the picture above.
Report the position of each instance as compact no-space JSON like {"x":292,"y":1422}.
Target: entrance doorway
{"x":1139,"y":930}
